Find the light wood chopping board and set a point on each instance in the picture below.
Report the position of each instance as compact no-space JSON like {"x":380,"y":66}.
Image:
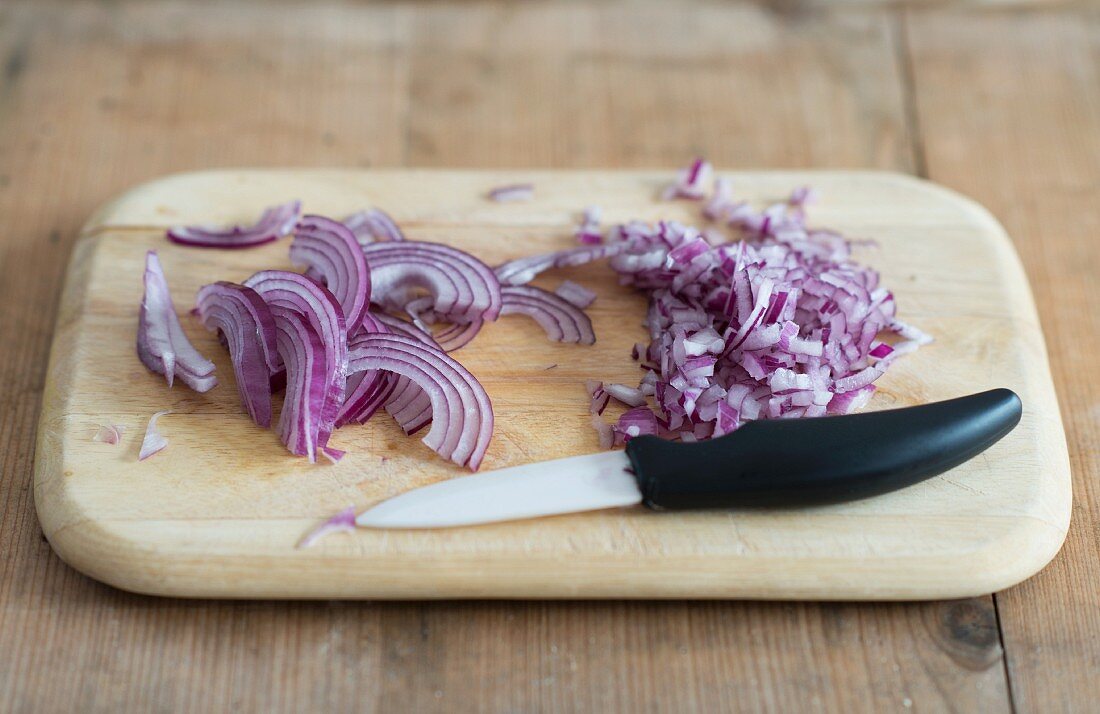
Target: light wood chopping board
{"x":219,"y":512}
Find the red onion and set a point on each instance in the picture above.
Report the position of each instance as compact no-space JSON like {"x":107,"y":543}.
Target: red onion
{"x":161,"y":344}
{"x":562,"y":320}
{"x":330,"y":250}
{"x":154,"y":441}
{"x":285,"y":293}
{"x":523,"y":270}
{"x":588,"y":232}
{"x":373,"y":224}
{"x":692,"y":182}
{"x":109,"y":434}
{"x":514,"y":192}
{"x":462,"y":415}
{"x":307,"y":382}
{"x":245,"y":323}
{"x":462,"y":287}
{"x":342,"y":522}
{"x":579,"y":295}
{"x":275,"y":222}
{"x":780,"y":324}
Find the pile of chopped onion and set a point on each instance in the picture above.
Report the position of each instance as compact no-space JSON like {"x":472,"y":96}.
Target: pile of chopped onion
{"x":771,"y":319}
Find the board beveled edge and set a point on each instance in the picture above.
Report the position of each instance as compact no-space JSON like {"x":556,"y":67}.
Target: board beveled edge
{"x":93,"y":548}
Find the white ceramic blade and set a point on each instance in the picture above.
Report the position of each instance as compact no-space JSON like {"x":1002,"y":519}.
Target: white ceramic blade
{"x":578,"y":483}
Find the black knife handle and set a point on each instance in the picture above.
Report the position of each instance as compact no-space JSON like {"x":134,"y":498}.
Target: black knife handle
{"x":796,"y":462}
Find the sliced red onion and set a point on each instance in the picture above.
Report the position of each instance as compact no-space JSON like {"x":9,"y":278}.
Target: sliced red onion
{"x":691,"y":183}
{"x":462,"y":415}
{"x":330,"y":250}
{"x":523,"y":270}
{"x":562,"y":320}
{"x":373,"y":224}
{"x":248,"y":328}
{"x":579,"y":295}
{"x":513,"y":192}
{"x":289,"y":293}
{"x":368,"y":390}
{"x":459,"y":335}
{"x":588,"y":232}
{"x":342,"y":522}
{"x":462,"y":287}
{"x":308,"y":381}
{"x":109,"y":434}
{"x":162,"y":345}
{"x":274,"y":223}
{"x":154,"y":441}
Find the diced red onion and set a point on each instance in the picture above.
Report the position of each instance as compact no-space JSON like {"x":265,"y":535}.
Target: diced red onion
{"x":721,"y":201}
{"x":692,"y":182}
{"x":329,"y":249}
{"x":562,"y":320}
{"x":513,"y":192}
{"x":246,"y":324}
{"x":588,"y":232}
{"x":154,"y":441}
{"x":372,"y":225}
{"x":462,"y":415}
{"x":162,"y":345}
{"x":274,"y":223}
{"x":342,"y":522}
{"x":579,"y":295}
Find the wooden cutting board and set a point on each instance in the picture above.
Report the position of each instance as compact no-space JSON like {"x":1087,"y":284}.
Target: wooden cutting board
{"x":218,"y":513}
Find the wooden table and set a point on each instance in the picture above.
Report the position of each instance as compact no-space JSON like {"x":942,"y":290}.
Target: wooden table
{"x":1000,"y":103}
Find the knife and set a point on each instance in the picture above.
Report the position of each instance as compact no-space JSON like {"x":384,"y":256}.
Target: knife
{"x":770,"y":463}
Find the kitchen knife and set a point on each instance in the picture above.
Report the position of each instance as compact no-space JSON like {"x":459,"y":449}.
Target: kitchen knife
{"x":778,"y":463}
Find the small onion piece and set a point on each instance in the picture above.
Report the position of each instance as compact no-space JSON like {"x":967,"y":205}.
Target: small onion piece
{"x":523,"y":270}
{"x":290,"y":294}
{"x":275,"y":222}
{"x":342,"y":522}
{"x":462,"y":415}
{"x":248,"y":328}
{"x":562,"y":320}
{"x":162,"y":345}
{"x":329,"y":250}
{"x":588,"y":232}
{"x":512,"y":192}
{"x":109,"y":434}
{"x":691,"y":183}
{"x":154,"y":441}
{"x":577,"y":294}
{"x":373,"y":224}
{"x":462,"y":287}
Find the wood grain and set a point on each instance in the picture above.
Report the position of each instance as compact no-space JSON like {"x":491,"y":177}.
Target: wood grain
{"x":1025,"y":138}
{"x":218,"y":513}
{"x":98,"y":97}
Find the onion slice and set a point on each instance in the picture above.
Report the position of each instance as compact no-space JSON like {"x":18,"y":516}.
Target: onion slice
{"x":463,"y":288}
{"x":274,"y":222}
{"x":462,"y":415}
{"x":579,"y":295}
{"x":373,"y":224}
{"x":290,"y":294}
{"x":331,"y":252}
{"x":154,"y":441}
{"x":342,"y":522}
{"x":562,"y":320}
{"x":162,"y":345}
{"x":109,"y":434}
{"x":248,"y":328}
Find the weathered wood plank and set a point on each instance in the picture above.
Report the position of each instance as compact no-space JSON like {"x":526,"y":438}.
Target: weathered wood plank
{"x":1010,"y":108}
{"x":101,"y":96}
